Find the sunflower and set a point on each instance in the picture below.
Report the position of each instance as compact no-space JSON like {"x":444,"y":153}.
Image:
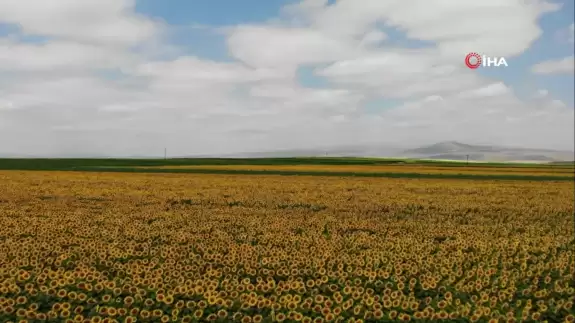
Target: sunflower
{"x":145,"y":314}
{"x":21,"y":300}
{"x":347,"y":290}
{"x":41,"y":316}
{"x":442,"y":304}
{"x":198,"y":313}
{"x":190,"y":305}
{"x":21,"y":312}
{"x":442,"y":315}
{"x":337,"y":311}
{"x":112,"y":311}
{"x":328,"y":303}
{"x":160,"y":297}
{"x":65,"y":313}
{"x":280,"y":317}
{"x":103,"y":310}
{"x":536,"y":316}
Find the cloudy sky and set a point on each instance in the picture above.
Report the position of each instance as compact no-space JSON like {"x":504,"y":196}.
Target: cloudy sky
{"x":127,"y":77}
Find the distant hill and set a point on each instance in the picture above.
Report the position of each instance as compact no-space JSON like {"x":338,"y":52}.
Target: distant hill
{"x":454,"y":150}
{"x":333,"y":151}
{"x":447,"y":150}
{"x":448,"y":147}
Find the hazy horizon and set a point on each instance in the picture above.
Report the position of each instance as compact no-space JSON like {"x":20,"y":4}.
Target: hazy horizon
{"x":364,"y":150}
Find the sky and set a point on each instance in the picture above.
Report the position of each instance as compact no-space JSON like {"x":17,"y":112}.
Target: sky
{"x":132,"y":78}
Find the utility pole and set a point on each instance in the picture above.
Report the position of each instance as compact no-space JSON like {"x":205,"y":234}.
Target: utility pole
{"x":467,"y":160}
{"x":165,"y":153}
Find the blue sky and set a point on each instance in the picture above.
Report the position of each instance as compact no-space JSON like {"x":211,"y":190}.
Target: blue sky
{"x":182,"y":12}
{"x":206,"y":74}
{"x":186,"y":19}
{"x":186,"y":16}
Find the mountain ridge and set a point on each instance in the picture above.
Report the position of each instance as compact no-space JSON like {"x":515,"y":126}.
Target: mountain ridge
{"x":448,"y":150}
{"x":461,"y":151}
{"x":451,"y":146}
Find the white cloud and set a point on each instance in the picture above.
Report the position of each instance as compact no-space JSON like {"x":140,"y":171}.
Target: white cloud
{"x":343,"y":30}
{"x":402,"y":74}
{"x":558,"y":103}
{"x":541,"y":93}
{"x":501,"y":119}
{"x":101,"y":21}
{"x":458,"y":27}
{"x":494,"y":89}
{"x":6,"y":105}
{"x":373,"y":38}
{"x":54,"y":102}
{"x":343,"y":35}
{"x":58,"y":55}
{"x":559,"y":66}
{"x":308,"y":102}
{"x":186,"y":70}
{"x":118,"y":108}
{"x":286,"y":47}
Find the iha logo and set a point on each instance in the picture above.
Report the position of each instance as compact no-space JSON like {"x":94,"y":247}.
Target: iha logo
{"x":474,"y":60}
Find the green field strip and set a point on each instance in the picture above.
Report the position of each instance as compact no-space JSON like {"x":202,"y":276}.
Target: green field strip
{"x":312,"y":173}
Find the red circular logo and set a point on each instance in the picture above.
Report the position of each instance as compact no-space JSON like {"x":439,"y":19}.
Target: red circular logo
{"x":473,"y":60}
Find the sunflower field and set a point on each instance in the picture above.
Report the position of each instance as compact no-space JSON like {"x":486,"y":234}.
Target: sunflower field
{"x":118,"y":247}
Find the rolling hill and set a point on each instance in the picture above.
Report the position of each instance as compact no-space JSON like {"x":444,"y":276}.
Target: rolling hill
{"x":454,"y":150}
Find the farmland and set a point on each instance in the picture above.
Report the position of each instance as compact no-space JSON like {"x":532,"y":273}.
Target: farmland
{"x":378,"y":169}
{"x":100,"y":246}
{"x":335,"y":167}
